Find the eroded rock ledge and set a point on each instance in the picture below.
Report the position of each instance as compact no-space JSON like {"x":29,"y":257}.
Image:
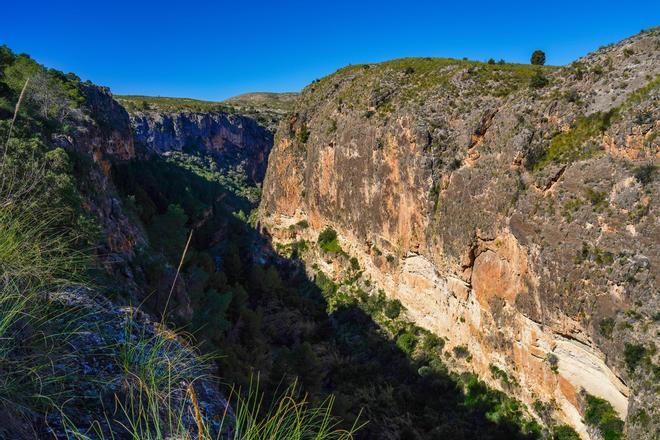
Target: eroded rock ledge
{"x":511,"y":220}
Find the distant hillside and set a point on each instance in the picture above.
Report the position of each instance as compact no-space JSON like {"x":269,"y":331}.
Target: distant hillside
{"x":273,"y":101}
{"x":167,"y":104}
{"x":266,"y":108}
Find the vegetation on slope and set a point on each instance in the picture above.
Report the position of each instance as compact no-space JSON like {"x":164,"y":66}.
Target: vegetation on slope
{"x":281,"y":102}
{"x":384,"y":87}
{"x":67,"y":358}
{"x":259,"y":312}
{"x":166,"y":104}
{"x":266,"y":108}
{"x":601,"y":416}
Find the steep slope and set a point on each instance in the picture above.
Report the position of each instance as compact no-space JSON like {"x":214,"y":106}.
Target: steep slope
{"x":266,"y":108}
{"x":510,"y":209}
{"x":68,"y":354}
{"x":235,"y":142}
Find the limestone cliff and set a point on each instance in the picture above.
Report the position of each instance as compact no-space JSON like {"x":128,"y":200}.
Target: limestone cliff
{"x":100,"y":137}
{"x":236,"y":142}
{"x":511,"y":209}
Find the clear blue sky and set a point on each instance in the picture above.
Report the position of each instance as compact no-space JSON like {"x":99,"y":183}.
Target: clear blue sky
{"x":216,"y":49}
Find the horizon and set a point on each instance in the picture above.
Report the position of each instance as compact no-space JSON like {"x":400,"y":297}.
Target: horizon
{"x":161,"y":50}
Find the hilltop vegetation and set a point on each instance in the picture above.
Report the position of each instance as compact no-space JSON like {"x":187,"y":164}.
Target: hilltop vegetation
{"x":165,"y":104}
{"x":281,"y":102}
{"x":267,"y":108}
{"x":383,"y":87}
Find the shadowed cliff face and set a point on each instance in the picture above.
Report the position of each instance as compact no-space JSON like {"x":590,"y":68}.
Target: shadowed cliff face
{"x":235,"y":142}
{"x":515,"y":220}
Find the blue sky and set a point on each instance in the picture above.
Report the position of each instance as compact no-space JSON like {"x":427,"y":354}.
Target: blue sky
{"x":217,"y":49}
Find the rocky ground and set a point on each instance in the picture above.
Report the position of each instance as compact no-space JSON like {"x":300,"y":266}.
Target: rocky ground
{"x":511,"y":209}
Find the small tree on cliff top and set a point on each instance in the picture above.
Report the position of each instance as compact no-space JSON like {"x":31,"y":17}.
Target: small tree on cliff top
{"x":538,"y":58}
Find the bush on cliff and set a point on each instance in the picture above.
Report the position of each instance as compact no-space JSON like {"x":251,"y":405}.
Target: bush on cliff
{"x":601,"y":415}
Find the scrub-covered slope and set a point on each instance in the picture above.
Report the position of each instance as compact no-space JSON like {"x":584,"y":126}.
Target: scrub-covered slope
{"x":512,"y":209}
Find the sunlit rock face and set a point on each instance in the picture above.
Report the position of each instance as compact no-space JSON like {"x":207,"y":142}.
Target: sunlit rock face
{"x":519,"y":222}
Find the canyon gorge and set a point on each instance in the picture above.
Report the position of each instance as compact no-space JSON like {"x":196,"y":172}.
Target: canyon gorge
{"x":490,"y":229}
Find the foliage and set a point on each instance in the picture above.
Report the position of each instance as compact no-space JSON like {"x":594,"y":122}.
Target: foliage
{"x":598,"y":199}
{"x":328,"y":240}
{"x":161,"y":103}
{"x":538,"y":58}
{"x":407,"y":342}
{"x":646,"y":173}
{"x":500,"y":374}
{"x":461,"y":351}
{"x":606,"y":327}
{"x":52,"y":97}
{"x":303,"y":134}
{"x":393,"y":309}
{"x":564,"y":432}
{"x":43,"y":240}
{"x":574,"y":144}
{"x":538,"y":80}
{"x":601,"y":415}
{"x":288,"y":418}
{"x":409,"y":80}
{"x":167,"y":231}
{"x":633,"y":354}
{"x":553,"y":361}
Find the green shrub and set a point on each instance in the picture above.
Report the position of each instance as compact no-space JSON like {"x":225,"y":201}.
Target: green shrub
{"x":601,"y":415}
{"x":633,"y":355}
{"x":606,"y":327}
{"x":461,"y":351}
{"x":538,"y":58}
{"x":407,"y":342}
{"x":500,"y":374}
{"x":303,"y":134}
{"x":570,"y":208}
{"x":328,"y":240}
{"x":572,"y":145}
{"x":598,"y":199}
{"x":645,"y":174}
{"x":553,"y":361}
{"x":564,"y":432}
{"x":393,"y":309}
{"x":538,"y":80}
{"x":433,"y":343}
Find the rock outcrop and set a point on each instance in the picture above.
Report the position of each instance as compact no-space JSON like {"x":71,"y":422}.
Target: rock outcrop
{"x":101,"y":136}
{"x":511,"y":209}
{"x":236,"y":142}
{"x":100,"y":353}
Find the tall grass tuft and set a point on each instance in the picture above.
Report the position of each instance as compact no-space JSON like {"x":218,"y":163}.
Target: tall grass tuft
{"x":36,"y":257}
{"x":288,"y":418}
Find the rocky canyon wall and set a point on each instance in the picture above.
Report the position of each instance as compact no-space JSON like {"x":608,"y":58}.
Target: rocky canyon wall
{"x":511,"y":209}
{"x":236,"y":142}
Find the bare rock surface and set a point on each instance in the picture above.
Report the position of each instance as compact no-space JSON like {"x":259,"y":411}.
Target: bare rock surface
{"x":518,"y":220}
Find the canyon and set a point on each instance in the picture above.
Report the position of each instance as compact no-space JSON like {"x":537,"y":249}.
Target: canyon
{"x":502,"y":217}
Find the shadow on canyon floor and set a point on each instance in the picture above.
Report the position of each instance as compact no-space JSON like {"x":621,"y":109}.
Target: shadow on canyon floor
{"x":262,"y":314}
